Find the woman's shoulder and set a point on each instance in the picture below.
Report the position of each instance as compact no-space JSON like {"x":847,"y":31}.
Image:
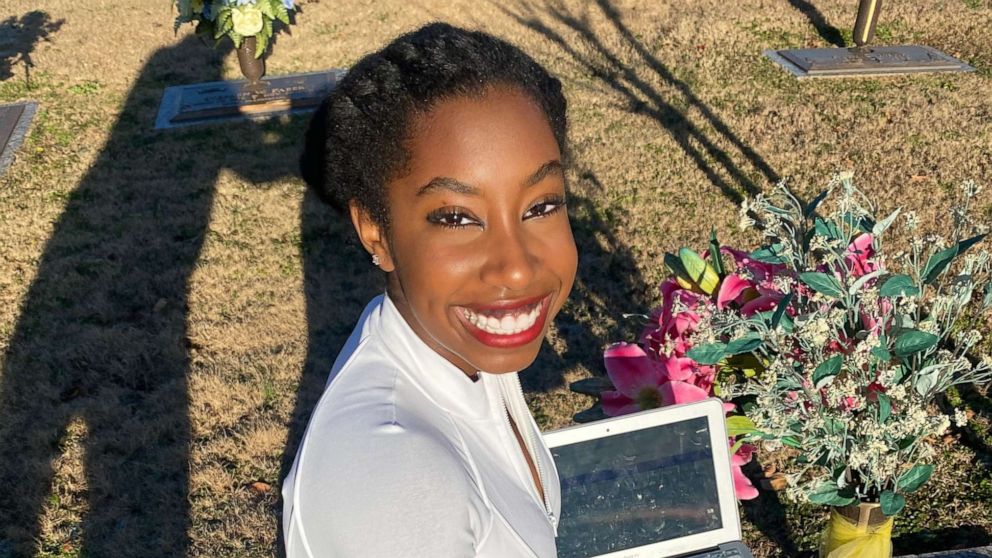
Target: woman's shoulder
{"x":380,"y":487}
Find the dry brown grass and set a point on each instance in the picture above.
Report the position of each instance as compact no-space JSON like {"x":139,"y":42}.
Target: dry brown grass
{"x":170,"y":302}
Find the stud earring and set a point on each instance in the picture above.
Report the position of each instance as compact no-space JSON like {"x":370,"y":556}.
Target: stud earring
{"x":375,"y":260}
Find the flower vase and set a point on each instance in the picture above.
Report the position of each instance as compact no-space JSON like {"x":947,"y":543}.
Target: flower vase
{"x":857,"y":531}
{"x":252,"y":68}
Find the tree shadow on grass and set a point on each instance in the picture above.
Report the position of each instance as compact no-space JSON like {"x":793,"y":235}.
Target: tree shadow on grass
{"x":826,"y":31}
{"x":18,"y":37}
{"x":631,"y":80}
{"x":101,"y":341}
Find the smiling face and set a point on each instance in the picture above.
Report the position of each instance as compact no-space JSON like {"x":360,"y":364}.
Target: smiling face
{"x":479,"y":251}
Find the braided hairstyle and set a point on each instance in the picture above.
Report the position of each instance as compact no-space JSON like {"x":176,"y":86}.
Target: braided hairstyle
{"x":356,"y":140}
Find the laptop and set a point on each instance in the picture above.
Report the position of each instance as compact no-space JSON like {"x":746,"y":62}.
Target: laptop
{"x":653,"y":484}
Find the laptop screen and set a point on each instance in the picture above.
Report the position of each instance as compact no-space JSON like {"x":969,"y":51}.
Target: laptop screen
{"x":636,"y":488}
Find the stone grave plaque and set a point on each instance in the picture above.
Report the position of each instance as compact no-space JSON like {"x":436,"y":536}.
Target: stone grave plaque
{"x":226,"y":100}
{"x":865,"y":61}
{"x":14,"y":122}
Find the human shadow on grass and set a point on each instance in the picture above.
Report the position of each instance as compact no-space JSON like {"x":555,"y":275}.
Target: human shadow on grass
{"x":18,"y":37}
{"x":826,"y":31}
{"x":575,"y":34}
{"x":100,"y":353}
{"x":338,"y":281}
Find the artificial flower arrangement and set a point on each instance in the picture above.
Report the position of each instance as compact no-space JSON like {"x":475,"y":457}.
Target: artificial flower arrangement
{"x":237,"y":19}
{"x":834,"y":349}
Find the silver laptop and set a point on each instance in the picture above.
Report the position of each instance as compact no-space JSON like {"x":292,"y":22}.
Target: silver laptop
{"x":654,"y":484}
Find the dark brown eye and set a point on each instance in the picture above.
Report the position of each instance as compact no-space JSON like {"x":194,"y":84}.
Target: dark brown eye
{"x":452,"y":218}
{"x":545,"y":207}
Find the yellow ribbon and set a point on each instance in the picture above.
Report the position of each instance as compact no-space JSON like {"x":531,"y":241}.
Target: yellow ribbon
{"x":845,"y":539}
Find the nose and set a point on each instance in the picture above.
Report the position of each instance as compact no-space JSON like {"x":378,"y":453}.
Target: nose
{"x":511,"y":260}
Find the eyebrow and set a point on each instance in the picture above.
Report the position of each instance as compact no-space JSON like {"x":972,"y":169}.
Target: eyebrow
{"x":453,"y":185}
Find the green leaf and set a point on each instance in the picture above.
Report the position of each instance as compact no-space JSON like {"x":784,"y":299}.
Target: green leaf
{"x":905,"y":443}
{"x":884,"y":408}
{"x":899,"y":285}
{"x":707,"y":355}
{"x":937,"y":263}
{"x":792,"y":442}
{"x":829,"y":495}
{"x":834,"y":426}
{"x":863,"y":224}
{"x":881,"y":353}
{"x":884,"y":224}
{"x":968,"y":243}
{"x":828,"y":229}
{"x":745,"y":344}
{"x":769,"y":254}
{"x":674,"y":265}
{"x":265,"y":7}
{"x":926,"y":379}
{"x":592,"y":386}
{"x":282,"y":14}
{"x":912,"y":341}
{"x":738,"y":425}
{"x":262,"y":41}
{"x":914,"y":478}
{"x":715,"y":253}
{"x":827,"y":369}
{"x":780,"y":310}
{"x":861,"y":281}
{"x":822,"y":283}
{"x":811,"y":208}
{"x":892,"y":503}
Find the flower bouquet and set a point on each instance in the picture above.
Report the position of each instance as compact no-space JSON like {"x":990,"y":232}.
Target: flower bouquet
{"x":835,"y":349}
{"x":237,"y":19}
{"x":861,"y":345}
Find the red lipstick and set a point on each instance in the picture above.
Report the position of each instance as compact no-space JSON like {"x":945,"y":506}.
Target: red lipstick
{"x":535,"y":308}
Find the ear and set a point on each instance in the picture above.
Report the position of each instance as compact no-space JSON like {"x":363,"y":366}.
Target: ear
{"x":372,"y":235}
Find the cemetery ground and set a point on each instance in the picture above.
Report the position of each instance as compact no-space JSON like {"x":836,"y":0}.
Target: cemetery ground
{"x":171,"y":301}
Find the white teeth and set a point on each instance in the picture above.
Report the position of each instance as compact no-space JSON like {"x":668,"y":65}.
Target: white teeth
{"x":509,"y":324}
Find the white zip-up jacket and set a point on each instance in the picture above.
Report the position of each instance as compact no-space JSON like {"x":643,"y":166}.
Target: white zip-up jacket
{"x":406,"y":456}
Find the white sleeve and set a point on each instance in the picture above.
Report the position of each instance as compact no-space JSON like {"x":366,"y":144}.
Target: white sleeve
{"x":397,"y":492}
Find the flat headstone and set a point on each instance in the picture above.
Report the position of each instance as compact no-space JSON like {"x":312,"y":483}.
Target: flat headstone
{"x":865,"y":61}
{"x":14,"y":122}
{"x":982,"y":552}
{"x":199,"y":103}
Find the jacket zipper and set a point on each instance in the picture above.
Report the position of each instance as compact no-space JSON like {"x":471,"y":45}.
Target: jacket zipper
{"x":529,"y":443}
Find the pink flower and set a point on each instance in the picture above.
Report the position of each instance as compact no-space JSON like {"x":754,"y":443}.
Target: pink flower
{"x":742,"y":485}
{"x":731,"y":289}
{"x":858,"y":256}
{"x":643,"y":383}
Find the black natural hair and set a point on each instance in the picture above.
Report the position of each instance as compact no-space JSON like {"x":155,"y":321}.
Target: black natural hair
{"x":355,"y":142}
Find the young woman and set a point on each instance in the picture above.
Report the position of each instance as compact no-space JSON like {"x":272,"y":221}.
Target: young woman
{"x":446,"y":150}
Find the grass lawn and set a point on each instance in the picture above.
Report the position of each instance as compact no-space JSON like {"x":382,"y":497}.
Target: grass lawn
{"x":170,"y":302}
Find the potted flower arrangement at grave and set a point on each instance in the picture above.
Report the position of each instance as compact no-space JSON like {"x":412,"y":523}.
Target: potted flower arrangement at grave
{"x":835,"y":349}
{"x":248,"y":23}
{"x":850,"y":380}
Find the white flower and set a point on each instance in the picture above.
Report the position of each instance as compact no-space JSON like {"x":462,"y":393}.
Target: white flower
{"x":247,"y":20}
{"x":970,"y":188}
{"x":911,"y":221}
{"x":960,"y":418}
